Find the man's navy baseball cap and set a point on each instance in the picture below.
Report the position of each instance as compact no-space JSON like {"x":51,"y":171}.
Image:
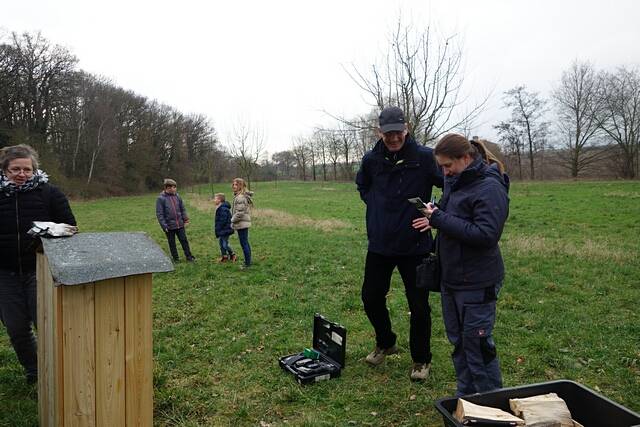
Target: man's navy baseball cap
{"x":391,"y":119}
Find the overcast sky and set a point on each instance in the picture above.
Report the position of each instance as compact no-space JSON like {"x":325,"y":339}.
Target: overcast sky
{"x":280,"y":64}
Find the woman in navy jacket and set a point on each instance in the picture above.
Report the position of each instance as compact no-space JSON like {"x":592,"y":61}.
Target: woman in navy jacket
{"x":470,"y":220}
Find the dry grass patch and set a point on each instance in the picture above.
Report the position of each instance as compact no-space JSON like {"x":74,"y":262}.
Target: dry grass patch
{"x":271,"y":217}
{"x":624,"y":194}
{"x":201,"y":203}
{"x":276,"y":218}
{"x":589,"y":249}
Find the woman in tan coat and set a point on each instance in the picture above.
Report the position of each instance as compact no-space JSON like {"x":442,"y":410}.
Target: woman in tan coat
{"x":241,"y":216}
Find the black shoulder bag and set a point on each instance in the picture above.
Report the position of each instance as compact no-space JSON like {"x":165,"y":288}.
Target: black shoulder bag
{"x":428,"y":271}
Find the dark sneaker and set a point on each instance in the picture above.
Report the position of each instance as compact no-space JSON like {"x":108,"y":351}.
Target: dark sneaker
{"x":191,"y":259}
{"x":234,"y":257}
{"x":245,"y":266}
{"x":420,"y":371}
{"x":378,"y":354}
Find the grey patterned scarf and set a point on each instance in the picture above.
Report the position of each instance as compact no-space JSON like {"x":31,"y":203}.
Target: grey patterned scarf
{"x":9,"y":187}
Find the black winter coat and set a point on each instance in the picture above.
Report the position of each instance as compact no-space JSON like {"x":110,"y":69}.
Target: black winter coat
{"x":385,"y":182}
{"x":223,"y":220}
{"x":472,"y":214}
{"x":17,"y":212}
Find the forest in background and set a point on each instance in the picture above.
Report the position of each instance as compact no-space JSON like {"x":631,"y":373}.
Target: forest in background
{"x":97,"y":139}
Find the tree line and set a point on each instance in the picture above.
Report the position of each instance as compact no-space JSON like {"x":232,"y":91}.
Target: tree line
{"x":96,"y":138}
{"x":588,"y":127}
{"x":93,"y":136}
{"x":590,"y":122}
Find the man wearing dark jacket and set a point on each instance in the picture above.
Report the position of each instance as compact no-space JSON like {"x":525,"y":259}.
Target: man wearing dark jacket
{"x":395,"y":170}
{"x":173,"y":218}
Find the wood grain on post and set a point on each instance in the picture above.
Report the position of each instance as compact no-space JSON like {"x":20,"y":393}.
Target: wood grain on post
{"x":139,"y":350}
{"x":110,"y":346}
{"x":79,"y":355}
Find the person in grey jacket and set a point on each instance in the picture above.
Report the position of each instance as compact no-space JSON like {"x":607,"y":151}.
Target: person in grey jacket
{"x":173,"y":218}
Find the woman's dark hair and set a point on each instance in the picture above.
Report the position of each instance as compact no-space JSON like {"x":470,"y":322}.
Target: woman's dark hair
{"x":455,"y":146}
{"x":22,"y":151}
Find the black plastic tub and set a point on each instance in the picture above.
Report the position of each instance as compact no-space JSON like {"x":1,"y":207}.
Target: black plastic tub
{"x":587,"y":407}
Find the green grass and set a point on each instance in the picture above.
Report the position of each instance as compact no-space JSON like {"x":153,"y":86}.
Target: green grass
{"x":569,"y":308}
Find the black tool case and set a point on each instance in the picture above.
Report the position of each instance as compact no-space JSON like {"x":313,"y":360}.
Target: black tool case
{"x":330,"y":341}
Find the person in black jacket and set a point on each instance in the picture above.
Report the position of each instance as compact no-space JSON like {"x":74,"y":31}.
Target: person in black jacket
{"x":222,"y":227}
{"x":395,"y":170}
{"x":470,"y":220}
{"x":25,"y":196}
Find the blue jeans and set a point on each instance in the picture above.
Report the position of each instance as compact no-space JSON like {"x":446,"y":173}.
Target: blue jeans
{"x":18,"y":313}
{"x":243,"y":235}
{"x":225,"y":249}
{"x":469,"y":317}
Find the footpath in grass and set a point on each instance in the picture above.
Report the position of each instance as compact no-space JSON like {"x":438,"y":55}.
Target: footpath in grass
{"x":569,"y":308}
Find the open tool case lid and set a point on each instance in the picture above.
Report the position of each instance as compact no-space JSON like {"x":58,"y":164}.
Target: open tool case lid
{"x":329,"y":339}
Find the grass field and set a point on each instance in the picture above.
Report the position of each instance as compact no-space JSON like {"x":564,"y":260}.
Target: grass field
{"x":569,"y":308}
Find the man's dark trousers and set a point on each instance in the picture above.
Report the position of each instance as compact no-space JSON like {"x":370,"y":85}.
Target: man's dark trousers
{"x":377,"y":280}
{"x":182,"y":237}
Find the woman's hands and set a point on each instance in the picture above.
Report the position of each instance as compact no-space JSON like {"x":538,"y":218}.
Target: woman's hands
{"x":422,"y":223}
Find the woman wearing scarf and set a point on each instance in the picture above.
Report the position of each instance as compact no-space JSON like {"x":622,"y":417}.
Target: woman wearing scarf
{"x":25,"y":196}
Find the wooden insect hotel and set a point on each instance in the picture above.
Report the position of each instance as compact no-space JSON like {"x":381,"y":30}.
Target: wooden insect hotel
{"x":95,"y":353}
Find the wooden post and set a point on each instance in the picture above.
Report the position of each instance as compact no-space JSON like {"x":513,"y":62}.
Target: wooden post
{"x":95,"y":352}
{"x":95,"y":338}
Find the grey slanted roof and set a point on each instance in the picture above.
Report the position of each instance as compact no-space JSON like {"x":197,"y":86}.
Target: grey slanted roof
{"x":90,"y":257}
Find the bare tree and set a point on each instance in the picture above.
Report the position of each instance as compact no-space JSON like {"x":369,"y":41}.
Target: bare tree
{"x":422,"y":74}
{"x":301,"y":153}
{"x":284,"y":161}
{"x":102,"y":112}
{"x":312,"y":151}
{"x":35,"y":77}
{"x":246,"y":148}
{"x":321,"y":150}
{"x":346,"y":137}
{"x":511,"y":138}
{"x":333,"y":151}
{"x":578,"y":106}
{"x":527,"y":113}
{"x":620,"y":115}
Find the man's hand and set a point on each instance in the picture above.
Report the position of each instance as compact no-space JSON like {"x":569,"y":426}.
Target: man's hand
{"x":421,"y":224}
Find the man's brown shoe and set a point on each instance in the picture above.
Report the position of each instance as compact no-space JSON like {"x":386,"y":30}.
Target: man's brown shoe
{"x":420,"y":371}
{"x":378,"y":354}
